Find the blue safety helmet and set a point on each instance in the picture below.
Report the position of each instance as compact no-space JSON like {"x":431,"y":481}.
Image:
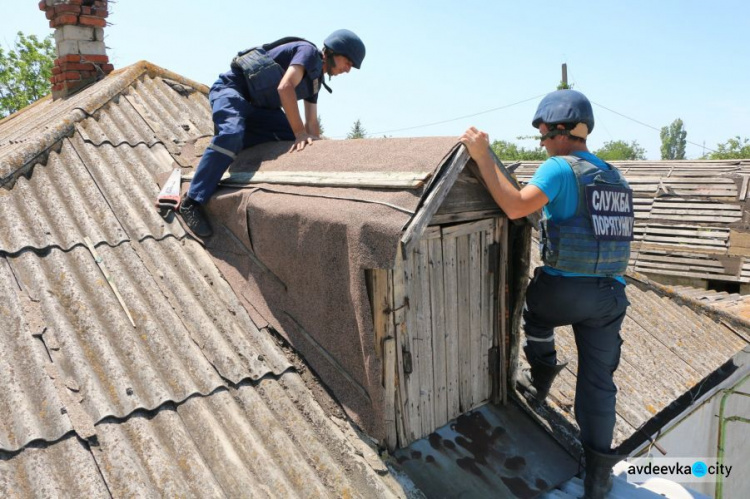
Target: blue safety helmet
{"x":564,"y":106}
{"x":346,"y":43}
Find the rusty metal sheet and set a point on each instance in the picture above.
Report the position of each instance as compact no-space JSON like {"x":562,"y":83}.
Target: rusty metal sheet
{"x":489,"y":452}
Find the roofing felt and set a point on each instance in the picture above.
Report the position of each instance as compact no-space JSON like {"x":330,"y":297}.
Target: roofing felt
{"x":317,"y":242}
{"x":192,"y":399}
{"x":664,"y":355}
{"x":690,"y":217}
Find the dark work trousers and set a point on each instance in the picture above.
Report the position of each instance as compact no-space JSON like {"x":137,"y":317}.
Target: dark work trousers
{"x":595,"y":308}
{"x":237,"y":125}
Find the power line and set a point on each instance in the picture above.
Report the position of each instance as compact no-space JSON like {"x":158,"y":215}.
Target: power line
{"x":649,"y":126}
{"x":460,"y":117}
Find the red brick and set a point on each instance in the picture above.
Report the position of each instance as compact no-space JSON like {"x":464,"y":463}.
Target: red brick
{"x":76,"y":66}
{"x":86,"y":11}
{"x":70,"y":58}
{"x":100,"y":12}
{"x":56,"y":70}
{"x":64,"y":8}
{"x":43,"y":5}
{"x":63,"y":19}
{"x":49,"y":14}
{"x":108,"y":68}
{"x":97,"y":22}
{"x":71,"y":75}
{"x":99,"y":59}
{"x":75,"y":2}
{"x":99,"y":4}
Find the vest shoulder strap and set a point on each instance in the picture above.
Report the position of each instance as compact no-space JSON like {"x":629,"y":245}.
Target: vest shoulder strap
{"x":277,"y":43}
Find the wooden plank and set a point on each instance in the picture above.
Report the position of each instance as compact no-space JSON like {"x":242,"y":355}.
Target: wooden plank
{"x":467,"y":194}
{"x":476,"y":281}
{"x":390,"y":386}
{"x":411,"y":340}
{"x":437,"y":304}
{"x":501,"y":236}
{"x":385,"y":180}
{"x":423,"y":346}
{"x":715,"y":277}
{"x":450,"y":278}
{"x":381,"y":306}
{"x":450,"y":218}
{"x":463,"y":292}
{"x":432,"y":202}
{"x":400,"y":307}
{"x":487,"y":308}
{"x":468,"y":228}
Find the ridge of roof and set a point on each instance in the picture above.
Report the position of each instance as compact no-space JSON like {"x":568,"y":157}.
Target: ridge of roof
{"x":57,"y":119}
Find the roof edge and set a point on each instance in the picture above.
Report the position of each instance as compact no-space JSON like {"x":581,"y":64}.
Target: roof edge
{"x":694,"y":304}
{"x":102,"y":92}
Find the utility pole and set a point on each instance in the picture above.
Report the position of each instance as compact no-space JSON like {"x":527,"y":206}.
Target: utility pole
{"x":565,"y":75}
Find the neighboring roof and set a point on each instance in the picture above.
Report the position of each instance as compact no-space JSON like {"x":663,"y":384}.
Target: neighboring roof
{"x":691,"y":217}
{"x":664,"y":356}
{"x":192,"y":399}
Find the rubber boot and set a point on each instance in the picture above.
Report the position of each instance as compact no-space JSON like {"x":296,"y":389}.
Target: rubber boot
{"x":598,"y":480}
{"x":537,"y":380}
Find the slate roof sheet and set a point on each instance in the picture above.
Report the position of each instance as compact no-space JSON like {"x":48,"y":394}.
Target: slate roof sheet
{"x":191,"y":400}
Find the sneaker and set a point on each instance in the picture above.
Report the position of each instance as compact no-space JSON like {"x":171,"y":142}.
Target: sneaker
{"x":192,"y":214}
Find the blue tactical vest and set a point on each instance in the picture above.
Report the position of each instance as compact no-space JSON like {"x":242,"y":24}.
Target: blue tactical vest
{"x":596,"y":239}
{"x":263,"y":74}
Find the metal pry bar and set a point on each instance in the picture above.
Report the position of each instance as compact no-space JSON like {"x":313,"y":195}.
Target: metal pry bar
{"x":100,"y":263}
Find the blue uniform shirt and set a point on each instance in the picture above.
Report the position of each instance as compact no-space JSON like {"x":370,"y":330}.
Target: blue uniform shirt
{"x":555,"y":178}
{"x":305,"y":55}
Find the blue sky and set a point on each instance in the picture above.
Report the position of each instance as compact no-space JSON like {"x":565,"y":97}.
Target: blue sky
{"x":434,"y":61}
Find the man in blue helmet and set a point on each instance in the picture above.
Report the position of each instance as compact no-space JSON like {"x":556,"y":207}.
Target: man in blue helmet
{"x":585,"y":234}
{"x":247,"y":103}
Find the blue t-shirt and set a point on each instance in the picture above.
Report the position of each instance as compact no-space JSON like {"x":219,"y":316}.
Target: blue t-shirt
{"x":305,"y":55}
{"x":555,"y":178}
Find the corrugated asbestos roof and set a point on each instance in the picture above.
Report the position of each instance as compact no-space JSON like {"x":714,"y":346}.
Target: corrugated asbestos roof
{"x":691,"y":218}
{"x":664,"y":355}
{"x":193,"y":400}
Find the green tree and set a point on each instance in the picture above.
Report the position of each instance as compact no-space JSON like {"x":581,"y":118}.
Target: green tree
{"x":673,"y":140}
{"x":734,"y":148}
{"x":25,"y":72}
{"x":357,"y":131}
{"x":320,"y":125}
{"x":511,"y":152}
{"x":619,"y":150}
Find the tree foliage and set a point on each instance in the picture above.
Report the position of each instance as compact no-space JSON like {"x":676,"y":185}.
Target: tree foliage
{"x":619,"y":150}
{"x":673,"y":140}
{"x":357,"y":131}
{"x":734,"y":148}
{"x":25,"y":72}
{"x":511,"y":152}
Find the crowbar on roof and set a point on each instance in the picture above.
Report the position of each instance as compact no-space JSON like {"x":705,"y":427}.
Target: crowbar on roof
{"x":100,"y":263}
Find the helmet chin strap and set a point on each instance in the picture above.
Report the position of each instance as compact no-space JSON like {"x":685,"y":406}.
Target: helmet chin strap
{"x":330,"y":64}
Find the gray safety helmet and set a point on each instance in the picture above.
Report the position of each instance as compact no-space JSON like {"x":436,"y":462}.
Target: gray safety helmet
{"x":564,"y":106}
{"x":346,"y":43}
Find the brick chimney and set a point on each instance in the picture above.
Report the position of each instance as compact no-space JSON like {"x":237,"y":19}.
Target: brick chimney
{"x":79,"y":35}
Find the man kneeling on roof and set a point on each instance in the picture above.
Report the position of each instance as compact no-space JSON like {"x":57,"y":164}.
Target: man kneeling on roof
{"x":247,"y":104}
{"x":586,"y":233}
